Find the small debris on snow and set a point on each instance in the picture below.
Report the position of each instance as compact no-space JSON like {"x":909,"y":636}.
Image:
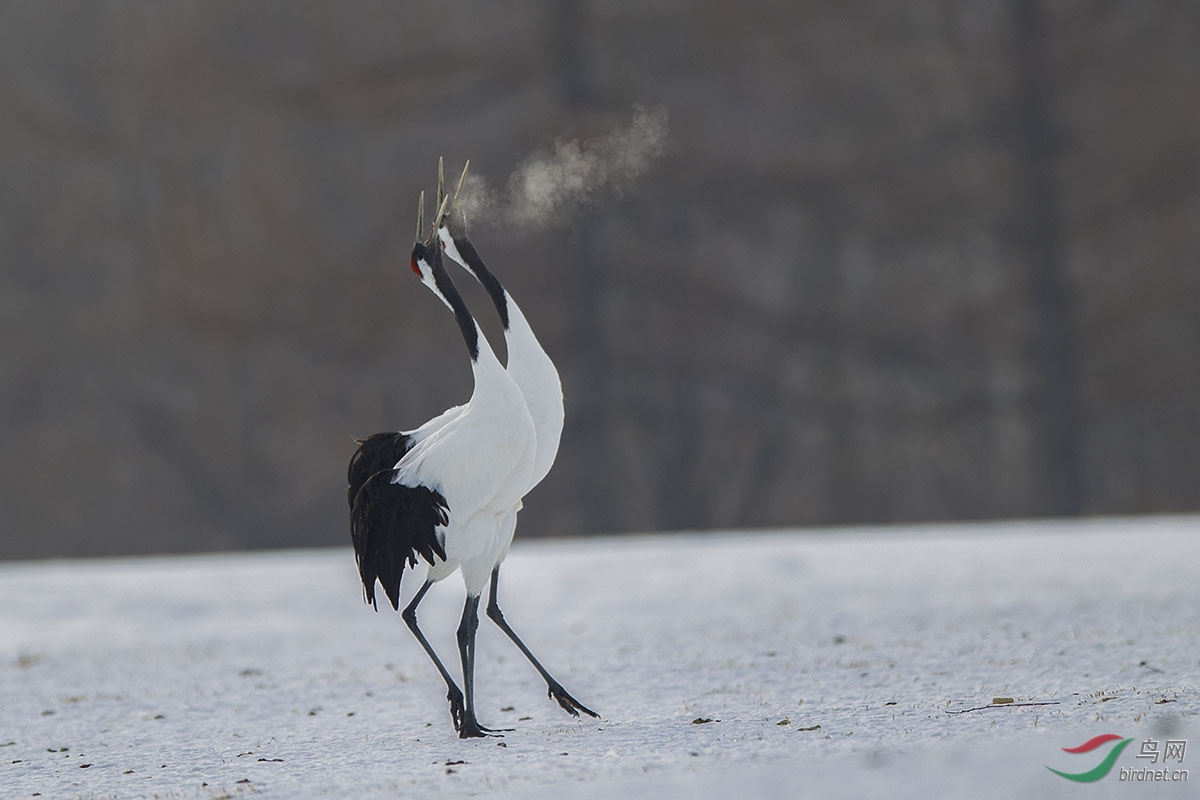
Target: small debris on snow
{"x":913,"y":625}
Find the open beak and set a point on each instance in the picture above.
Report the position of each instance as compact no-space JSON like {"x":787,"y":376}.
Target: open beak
{"x":444,"y":202}
{"x":436,"y":220}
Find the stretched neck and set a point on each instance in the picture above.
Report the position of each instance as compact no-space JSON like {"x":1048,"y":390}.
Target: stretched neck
{"x":524,"y":350}
{"x":466,"y":323}
{"x":490,"y":283}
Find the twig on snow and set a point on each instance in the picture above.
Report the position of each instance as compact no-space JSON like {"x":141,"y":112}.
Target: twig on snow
{"x":1003,"y":705}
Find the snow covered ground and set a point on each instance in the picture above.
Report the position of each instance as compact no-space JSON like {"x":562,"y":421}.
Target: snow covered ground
{"x":751,"y":664}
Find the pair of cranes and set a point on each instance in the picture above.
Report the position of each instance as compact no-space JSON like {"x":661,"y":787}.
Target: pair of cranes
{"x":449,"y":491}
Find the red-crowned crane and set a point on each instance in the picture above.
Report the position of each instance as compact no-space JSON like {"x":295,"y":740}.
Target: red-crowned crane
{"x":535,"y":375}
{"x":446,"y":490}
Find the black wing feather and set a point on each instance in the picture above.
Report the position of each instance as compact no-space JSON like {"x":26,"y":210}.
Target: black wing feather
{"x":390,"y":525}
{"x":379,"y":451}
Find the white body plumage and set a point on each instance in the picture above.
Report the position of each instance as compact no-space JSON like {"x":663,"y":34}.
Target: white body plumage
{"x":480,"y":456}
{"x":528,"y":365}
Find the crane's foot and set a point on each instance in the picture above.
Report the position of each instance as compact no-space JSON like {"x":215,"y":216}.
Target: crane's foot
{"x":457,"y":707}
{"x":569,"y":704}
{"x":471,"y":729}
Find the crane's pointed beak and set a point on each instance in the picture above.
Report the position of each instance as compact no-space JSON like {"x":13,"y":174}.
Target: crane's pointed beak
{"x":437,"y":221}
{"x":458,"y":191}
{"x":461,"y":181}
{"x":441,"y":190}
{"x":420,"y":215}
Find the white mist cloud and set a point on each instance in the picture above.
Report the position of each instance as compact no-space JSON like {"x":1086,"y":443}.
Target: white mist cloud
{"x":548,"y":187}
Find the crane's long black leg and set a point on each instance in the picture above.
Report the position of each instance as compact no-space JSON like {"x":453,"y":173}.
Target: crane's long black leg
{"x":466,"y":648}
{"x":455,"y":695}
{"x":554,"y":689}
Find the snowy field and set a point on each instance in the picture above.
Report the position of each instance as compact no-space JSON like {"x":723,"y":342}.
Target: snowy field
{"x":736,"y":664}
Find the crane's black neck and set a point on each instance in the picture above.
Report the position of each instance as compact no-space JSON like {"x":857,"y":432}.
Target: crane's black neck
{"x":485,"y":277}
{"x":466,"y":322}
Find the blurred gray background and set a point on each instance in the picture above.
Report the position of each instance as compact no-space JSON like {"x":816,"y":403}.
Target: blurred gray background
{"x":901,"y":261}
